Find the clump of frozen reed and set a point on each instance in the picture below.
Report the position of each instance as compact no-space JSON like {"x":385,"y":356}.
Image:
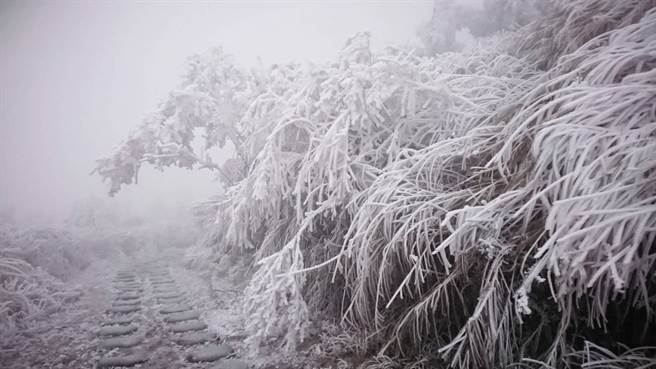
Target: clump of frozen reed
{"x":468,"y":202}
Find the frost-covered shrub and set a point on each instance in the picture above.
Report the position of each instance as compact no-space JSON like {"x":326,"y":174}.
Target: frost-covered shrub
{"x":568,"y":24}
{"x":57,"y":252}
{"x":33,"y":263}
{"x":275,"y":300}
{"x":465,"y":206}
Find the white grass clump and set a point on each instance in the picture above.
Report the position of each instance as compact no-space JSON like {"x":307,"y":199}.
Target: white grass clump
{"x":26,"y":291}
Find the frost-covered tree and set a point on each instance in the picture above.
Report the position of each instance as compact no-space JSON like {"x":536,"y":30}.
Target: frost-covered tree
{"x":479,"y":208}
{"x":481,"y":18}
{"x":211,"y":98}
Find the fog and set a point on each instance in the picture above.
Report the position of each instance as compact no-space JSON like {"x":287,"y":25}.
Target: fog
{"x":375,"y":184}
{"x":76,"y":77}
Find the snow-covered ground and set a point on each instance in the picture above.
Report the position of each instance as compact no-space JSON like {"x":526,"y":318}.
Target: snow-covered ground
{"x":68,"y":337}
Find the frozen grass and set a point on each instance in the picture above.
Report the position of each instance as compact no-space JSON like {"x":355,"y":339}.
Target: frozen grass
{"x":25,"y":293}
{"x":571,"y":23}
{"x":466,"y":202}
{"x":35,"y":265}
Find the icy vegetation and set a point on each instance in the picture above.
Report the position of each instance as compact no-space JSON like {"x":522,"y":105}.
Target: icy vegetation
{"x":476,"y":209}
{"x":28,"y":291}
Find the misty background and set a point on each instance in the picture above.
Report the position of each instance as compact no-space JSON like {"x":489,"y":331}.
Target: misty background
{"x":76,"y":76}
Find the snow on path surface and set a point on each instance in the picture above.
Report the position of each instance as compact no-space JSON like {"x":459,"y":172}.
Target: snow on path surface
{"x":166,"y":328}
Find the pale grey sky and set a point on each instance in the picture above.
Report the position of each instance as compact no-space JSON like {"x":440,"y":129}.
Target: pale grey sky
{"x":75,"y":77}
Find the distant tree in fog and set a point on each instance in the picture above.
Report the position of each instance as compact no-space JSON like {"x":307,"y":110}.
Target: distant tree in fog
{"x":482,"y":18}
{"x":92,"y":213}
